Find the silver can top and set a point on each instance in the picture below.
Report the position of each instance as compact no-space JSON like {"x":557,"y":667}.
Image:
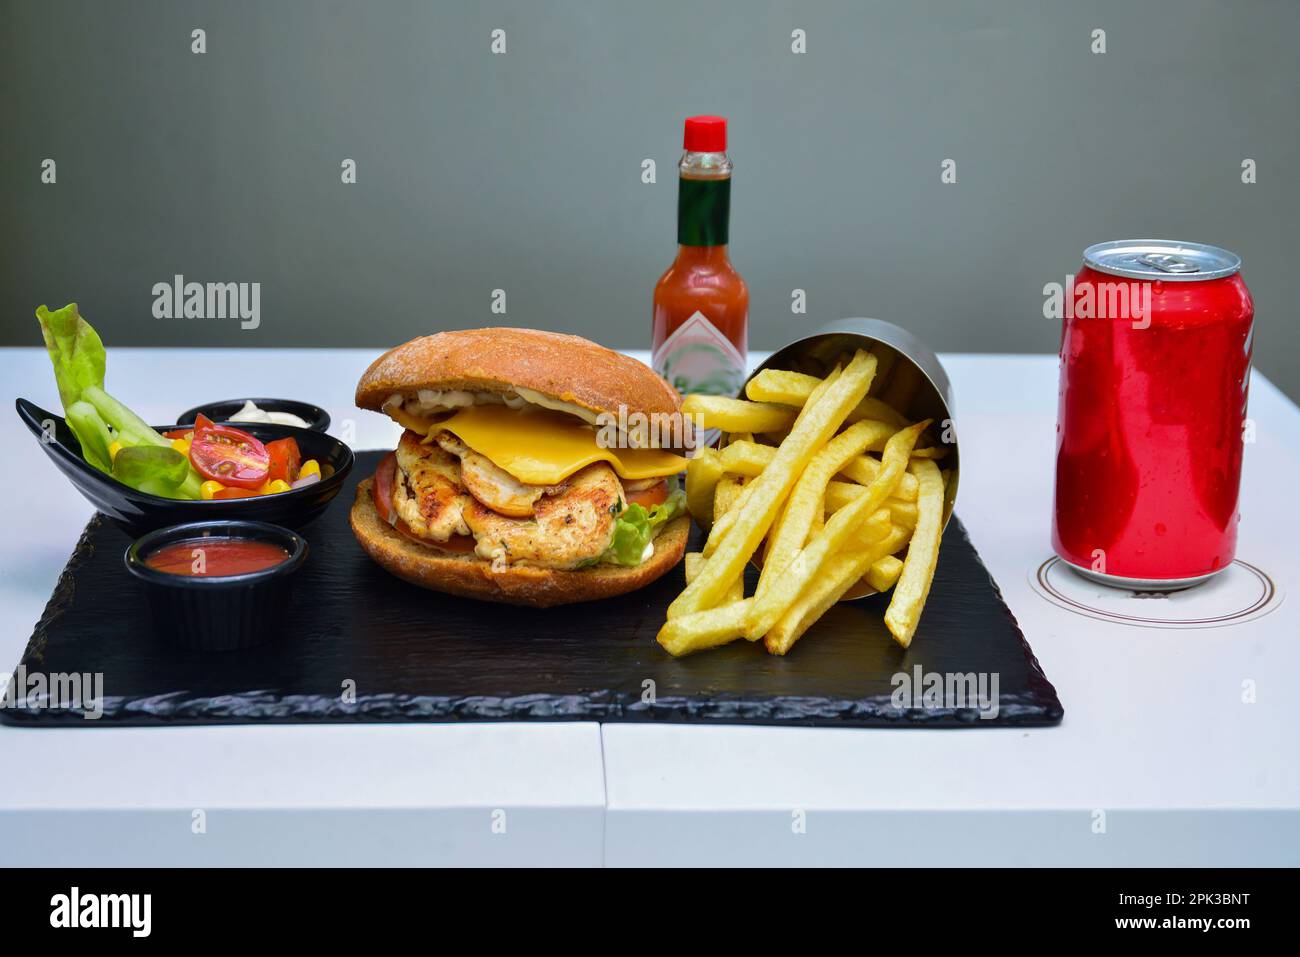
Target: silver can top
{"x":1162,"y":259}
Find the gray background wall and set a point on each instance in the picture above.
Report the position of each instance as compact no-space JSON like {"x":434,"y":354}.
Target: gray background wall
{"x":522,"y":171}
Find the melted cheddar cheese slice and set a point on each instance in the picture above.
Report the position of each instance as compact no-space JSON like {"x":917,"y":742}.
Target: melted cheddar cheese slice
{"x":540,"y":447}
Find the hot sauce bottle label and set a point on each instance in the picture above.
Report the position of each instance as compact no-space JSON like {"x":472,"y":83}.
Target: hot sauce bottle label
{"x":696,"y":357}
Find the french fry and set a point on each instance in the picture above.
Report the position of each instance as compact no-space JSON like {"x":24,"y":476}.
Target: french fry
{"x":725,"y":494}
{"x":807,"y":565}
{"x":703,"y":629}
{"x":762,"y":454}
{"x":864,"y":470}
{"x":764,"y":496}
{"x":840,"y":494}
{"x":871,"y":531}
{"x":747,"y":458}
{"x":695,"y":561}
{"x":884,"y":572}
{"x":785,"y":591}
{"x":796,"y":388}
{"x":737,"y":415}
{"x":702,"y":475}
{"x":724,"y":523}
{"x":904,"y":612}
{"x":791,"y":530}
{"x":724,"y":500}
{"x":818,"y":390}
{"x":842,"y":572}
{"x":819,"y":516}
{"x":781,"y":387}
{"x":903,"y":514}
{"x":870,"y":408}
{"x":930,"y":452}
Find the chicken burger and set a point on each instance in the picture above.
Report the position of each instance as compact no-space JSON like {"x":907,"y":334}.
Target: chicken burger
{"x":534,"y":468}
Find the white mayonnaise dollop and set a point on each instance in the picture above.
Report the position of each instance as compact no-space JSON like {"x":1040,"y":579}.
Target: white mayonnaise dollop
{"x":251,"y":413}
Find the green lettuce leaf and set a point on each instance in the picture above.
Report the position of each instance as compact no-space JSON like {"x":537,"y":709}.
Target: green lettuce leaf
{"x":146,"y":460}
{"x":78,"y":357}
{"x":149,"y":468}
{"x":636,"y":526}
{"x":92,"y":432}
{"x":75,"y":349}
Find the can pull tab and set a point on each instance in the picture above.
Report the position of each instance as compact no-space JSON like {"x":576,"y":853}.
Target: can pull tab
{"x":1167,"y":263}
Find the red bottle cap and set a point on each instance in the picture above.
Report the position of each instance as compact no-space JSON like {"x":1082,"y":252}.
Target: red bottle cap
{"x":706,"y":134}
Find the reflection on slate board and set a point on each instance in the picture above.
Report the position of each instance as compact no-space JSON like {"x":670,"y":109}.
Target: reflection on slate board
{"x":416,"y":655}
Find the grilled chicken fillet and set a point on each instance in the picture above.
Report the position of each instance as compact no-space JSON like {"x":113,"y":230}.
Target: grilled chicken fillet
{"x":567,"y":530}
{"x":444,"y":488}
{"x":494,"y":487}
{"x":428,"y":494}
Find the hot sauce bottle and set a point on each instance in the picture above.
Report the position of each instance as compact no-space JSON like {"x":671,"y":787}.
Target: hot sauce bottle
{"x":701,"y":305}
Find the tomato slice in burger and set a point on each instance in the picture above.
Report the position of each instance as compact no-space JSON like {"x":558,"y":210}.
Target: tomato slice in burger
{"x":647,"y":498}
{"x":382,"y":487}
{"x":228,"y":455}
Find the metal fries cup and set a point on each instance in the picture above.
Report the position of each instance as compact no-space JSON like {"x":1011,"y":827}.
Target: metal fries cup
{"x":931,"y":396}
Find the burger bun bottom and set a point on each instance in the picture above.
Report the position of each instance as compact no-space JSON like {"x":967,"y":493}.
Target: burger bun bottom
{"x":469,"y":576}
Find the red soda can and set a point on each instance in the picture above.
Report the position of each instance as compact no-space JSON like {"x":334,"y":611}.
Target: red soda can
{"x":1155,"y":365}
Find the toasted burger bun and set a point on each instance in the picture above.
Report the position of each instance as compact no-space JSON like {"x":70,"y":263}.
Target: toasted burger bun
{"x":469,"y":576}
{"x":563,"y":368}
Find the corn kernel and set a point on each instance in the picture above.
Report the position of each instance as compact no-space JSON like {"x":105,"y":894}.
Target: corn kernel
{"x":273,"y":487}
{"x":182,"y":446}
{"x":209,"y":489}
{"x":310,"y":467}
{"x":113,"y":449}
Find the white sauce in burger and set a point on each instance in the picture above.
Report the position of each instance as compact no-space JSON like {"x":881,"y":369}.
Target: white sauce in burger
{"x":429,"y":402}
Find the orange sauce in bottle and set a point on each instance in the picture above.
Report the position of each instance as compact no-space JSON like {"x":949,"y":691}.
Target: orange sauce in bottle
{"x":701,"y":304}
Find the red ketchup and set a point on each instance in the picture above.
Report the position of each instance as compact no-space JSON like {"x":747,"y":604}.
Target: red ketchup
{"x":1155,"y":362}
{"x":215,"y":557}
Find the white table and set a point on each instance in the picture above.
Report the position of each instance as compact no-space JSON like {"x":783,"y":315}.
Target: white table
{"x":1156,"y":734}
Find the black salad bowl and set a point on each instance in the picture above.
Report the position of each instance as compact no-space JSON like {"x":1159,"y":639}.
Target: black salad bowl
{"x":138,"y":512}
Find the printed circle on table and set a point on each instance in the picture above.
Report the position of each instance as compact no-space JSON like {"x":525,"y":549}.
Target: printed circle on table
{"x":1241,"y":592}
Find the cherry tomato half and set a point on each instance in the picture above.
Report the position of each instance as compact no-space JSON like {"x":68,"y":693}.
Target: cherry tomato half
{"x":229,"y":456}
{"x":286,"y":459}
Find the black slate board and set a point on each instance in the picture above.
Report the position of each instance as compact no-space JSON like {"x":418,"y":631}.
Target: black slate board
{"x":420,"y":656}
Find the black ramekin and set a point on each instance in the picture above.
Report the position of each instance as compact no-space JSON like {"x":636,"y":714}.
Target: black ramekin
{"x":218,"y":613}
{"x":317,"y":419}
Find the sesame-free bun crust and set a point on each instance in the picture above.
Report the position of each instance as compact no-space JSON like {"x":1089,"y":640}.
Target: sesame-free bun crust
{"x":470,"y":577}
{"x":565,"y":368}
